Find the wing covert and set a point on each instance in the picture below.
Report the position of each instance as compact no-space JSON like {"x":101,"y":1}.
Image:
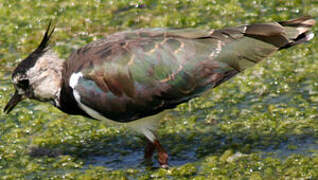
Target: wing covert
{"x":131,"y":75}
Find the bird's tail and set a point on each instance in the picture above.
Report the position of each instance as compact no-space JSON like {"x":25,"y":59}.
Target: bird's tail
{"x":283,"y":34}
{"x":252,"y":43}
{"x":298,"y":30}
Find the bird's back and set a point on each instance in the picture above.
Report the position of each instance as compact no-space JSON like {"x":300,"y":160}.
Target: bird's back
{"x":130,"y":75}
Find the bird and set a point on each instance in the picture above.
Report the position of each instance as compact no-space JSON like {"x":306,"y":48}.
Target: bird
{"x":132,"y":77}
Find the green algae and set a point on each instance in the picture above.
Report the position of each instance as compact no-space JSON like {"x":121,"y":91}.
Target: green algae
{"x":260,"y":125}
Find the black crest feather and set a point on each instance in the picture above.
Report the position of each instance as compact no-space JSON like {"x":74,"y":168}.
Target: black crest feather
{"x":29,"y":62}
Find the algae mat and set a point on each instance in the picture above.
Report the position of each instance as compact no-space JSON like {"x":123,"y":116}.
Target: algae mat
{"x":262,"y":124}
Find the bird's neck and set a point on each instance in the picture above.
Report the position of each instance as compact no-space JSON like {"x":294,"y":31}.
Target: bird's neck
{"x":57,"y":82}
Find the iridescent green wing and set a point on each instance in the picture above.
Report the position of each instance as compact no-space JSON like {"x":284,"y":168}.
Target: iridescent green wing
{"x":131,"y":75}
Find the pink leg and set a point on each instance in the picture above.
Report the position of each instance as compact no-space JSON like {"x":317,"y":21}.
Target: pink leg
{"x":149,"y":150}
{"x":162,"y":154}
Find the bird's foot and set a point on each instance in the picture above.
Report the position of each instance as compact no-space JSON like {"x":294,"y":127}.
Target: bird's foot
{"x":162,"y":155}
{"x":164,"y":166}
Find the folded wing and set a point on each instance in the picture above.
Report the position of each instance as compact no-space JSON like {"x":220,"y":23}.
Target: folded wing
{"x":130,"y":75}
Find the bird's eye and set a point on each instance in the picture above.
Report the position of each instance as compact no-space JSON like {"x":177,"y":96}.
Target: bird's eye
{"x":23,"y":84}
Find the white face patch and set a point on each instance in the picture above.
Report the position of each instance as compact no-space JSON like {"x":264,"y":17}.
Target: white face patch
{"x":45,"y":77}
{"x":16,"y":81}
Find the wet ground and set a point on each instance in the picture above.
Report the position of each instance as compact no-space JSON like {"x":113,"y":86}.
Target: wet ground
{"x":262,"y":124}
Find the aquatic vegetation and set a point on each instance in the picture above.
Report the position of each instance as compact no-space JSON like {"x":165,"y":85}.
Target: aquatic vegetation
{"x":261,"y":124}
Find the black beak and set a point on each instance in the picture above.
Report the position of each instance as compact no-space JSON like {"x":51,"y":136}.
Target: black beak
{"x":16,"y":98}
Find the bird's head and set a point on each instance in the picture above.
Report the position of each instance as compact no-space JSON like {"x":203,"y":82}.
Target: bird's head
{"x":38,"y":76}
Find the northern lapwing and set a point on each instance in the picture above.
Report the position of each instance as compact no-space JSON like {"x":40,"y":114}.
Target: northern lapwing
{"x":129,"y":77}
